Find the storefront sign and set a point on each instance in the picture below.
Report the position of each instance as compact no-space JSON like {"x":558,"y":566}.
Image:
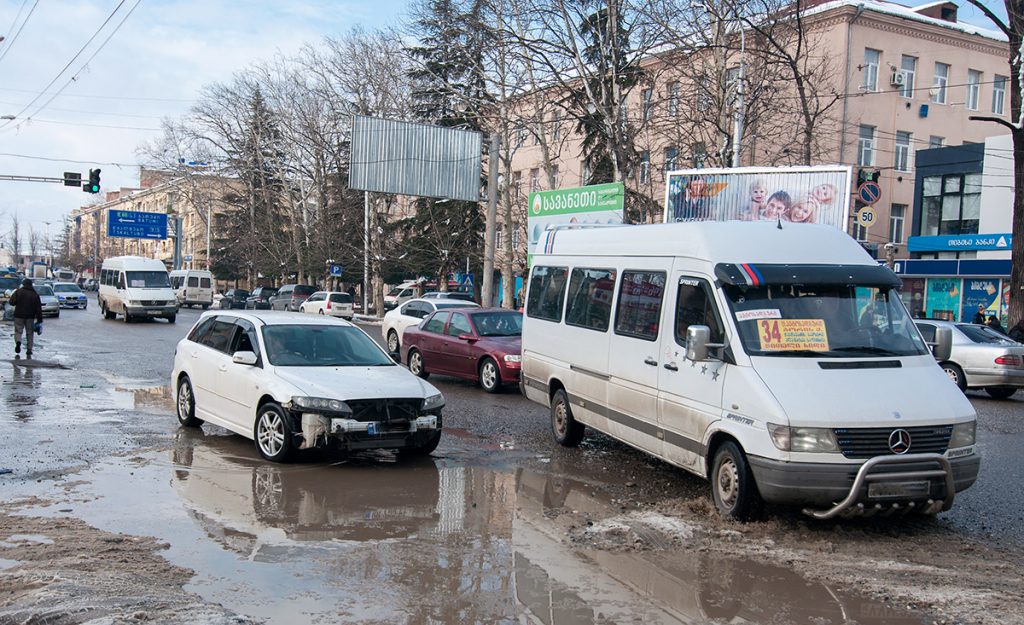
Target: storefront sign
{"x":596,"y":204}
{"x":980,"y":292}
{"x":960,"y":242}
{"x":943,"y":298}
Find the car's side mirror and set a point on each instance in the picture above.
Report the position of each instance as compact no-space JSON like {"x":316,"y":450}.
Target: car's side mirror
{"x":245,"y":358}
{"x":697,"y":338}
{"x":469,"y":338}
{"x":942,"y":348}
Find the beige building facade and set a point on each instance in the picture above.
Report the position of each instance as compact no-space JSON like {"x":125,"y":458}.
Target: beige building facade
{"x":907,"y":78}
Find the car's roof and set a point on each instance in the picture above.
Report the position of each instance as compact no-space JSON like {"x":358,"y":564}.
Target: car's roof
{"x":65,"y":283}
{"x":943,"y":322}
{"x":278,"y":317}
{"x":492,"y":309}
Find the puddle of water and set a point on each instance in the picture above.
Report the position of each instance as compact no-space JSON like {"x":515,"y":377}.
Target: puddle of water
{"x":8,"y":564}
{"x":426,"y":541}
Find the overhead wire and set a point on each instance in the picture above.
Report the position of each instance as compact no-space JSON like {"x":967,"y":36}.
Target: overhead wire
{"x":17,"y":34}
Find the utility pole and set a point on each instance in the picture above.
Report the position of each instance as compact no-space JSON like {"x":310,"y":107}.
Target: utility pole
{"x":739,"y":112}
{"x":366,"y":252}
{"x":487,"y":288}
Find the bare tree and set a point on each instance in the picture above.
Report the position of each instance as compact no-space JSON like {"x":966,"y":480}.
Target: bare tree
{"x":1013,"y":28}
{"x":14,"y":239}
{"x":36,"y":242}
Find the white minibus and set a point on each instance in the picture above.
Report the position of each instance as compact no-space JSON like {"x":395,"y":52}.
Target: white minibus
{"x":192,"y":287}
{"x":776,"y":360}
{"x":136,"y":288}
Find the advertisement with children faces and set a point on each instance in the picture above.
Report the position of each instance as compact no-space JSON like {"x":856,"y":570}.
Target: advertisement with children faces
{"x":819,"y":195}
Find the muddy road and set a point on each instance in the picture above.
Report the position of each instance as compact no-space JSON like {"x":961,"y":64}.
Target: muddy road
{"x":111,"y":513}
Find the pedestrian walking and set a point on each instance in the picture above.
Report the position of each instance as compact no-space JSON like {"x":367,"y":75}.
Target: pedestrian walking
{"x":979,"y":317}
{"x":28,"y":309}
{"x":1017,"y":332}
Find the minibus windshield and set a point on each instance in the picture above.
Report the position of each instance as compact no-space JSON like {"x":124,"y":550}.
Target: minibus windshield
{"x":148,"y":280}
{"x":830,"y":321}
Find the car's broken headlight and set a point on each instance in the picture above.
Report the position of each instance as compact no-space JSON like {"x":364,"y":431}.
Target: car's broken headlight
{"x":320,"y":403}
{"x":434,"y":402}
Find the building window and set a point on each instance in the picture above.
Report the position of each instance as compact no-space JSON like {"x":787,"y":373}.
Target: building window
{"x":700,"y":154}
{"x":520,"y":134}
{"x":902,"y":162}
{"x":585,"y":172}
{"x":973,"y":89}
{"x":645,"y":167}
{"x":556,"y":125}
{"x":624,"y":113}
{"x":671,"y":154}
{"x":673,"y":99}
{"x":872,"y":59}
{"x":908,"y":65}
{"x":538,"y":129}
{"x":555,"y":177}
{"x":998,"y":94}
{"x":648,"y":97}
{"x":866,"y":151}
{"x":897,"y":213}
{"x":704,"y":93}
{"x":515,"y":237}
{"x":950,"y":204}
{"x":941,"y":80}
{"x":497,"y":237}
{"x":936,"y":141}
{"x":517,"y":184}
{"x":860,"y":232}
{"x":534,"y":180}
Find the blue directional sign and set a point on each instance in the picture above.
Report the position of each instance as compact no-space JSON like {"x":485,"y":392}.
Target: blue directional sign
{"x":136,"y":225}
{"x":336,"y":271}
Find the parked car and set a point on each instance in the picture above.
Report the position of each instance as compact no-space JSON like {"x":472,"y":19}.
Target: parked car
{"x":70,"y":296}
{"x":412,"y":313}
{"x":981,"y":357}
{"x":259,"y":299}
{"x":234,"y":298}
{"x":8,"y":285}
{"x":293,"y":382}
{"x":334,"y":303}
{"x":466,"y":297}
{"x":91,"y":284}
{"x":481,"y":344}
{"x":51,"y":305}
{"x":399,"y":295}
{"x":290,"y":296}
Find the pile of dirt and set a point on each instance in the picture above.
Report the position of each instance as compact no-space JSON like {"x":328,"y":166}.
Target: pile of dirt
{"x":63,"y":572}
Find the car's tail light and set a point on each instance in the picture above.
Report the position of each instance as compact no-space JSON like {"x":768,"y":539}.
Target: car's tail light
{"x":1009,"y":360}
{"x":328,"y":304}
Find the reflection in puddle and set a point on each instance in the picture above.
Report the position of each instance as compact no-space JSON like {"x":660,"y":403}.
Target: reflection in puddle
{"x":426,"y":542}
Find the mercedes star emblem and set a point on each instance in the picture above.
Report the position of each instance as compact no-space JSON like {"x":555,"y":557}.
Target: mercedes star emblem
{"x":899,"y":441}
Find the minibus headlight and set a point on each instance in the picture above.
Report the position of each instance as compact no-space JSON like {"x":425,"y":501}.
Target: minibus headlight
{"x":963,"y":434}
{"x":820,"y":440}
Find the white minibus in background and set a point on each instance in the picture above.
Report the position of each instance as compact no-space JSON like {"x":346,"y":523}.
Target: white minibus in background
{"x":776,"y":360}
{"x":136,"y":288}
{"x":193,"y":287}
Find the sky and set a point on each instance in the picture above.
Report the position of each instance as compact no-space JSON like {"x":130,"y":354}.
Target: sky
{"x":151,"y":68}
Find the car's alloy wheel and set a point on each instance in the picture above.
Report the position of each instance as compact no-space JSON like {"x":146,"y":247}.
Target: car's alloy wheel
{"x":416,"y":364}
{"x":393,"y":341}
{"x":489,"y":376}
{"x":274,"y":433}
{"x":956,"y":374}
{"x":187,"y":405}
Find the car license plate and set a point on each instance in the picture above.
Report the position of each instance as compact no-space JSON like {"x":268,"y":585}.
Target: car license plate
{"x":880,"y":490}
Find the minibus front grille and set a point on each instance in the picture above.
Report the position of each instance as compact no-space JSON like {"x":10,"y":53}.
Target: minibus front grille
{"x":871,"y":442}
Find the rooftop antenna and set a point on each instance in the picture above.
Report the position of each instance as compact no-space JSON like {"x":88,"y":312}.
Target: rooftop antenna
{"x":778,"y":224}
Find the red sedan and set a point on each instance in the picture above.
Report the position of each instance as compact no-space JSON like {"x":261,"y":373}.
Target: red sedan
{"x":482,"y":344}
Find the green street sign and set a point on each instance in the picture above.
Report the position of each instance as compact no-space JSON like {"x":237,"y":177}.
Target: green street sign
{"x":595,"y":198}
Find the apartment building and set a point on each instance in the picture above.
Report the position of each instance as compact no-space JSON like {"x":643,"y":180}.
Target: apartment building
{"x":908,"y":78}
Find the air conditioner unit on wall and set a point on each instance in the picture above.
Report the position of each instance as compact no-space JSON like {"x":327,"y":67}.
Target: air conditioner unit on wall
{"x":898,"y":78}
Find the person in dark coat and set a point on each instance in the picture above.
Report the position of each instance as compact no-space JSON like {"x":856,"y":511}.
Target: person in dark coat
{"x":27,"y":308}
{"x":979,"y":317}
{"x":993,"y":322}
{"x":1017,"y":332}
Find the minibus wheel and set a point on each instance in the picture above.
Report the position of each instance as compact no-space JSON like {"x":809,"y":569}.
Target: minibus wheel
{"x":732,"y":484}
{"x":567,"y":430}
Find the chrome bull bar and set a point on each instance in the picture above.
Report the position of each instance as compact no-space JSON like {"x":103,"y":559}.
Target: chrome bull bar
{"x":850,"y":507}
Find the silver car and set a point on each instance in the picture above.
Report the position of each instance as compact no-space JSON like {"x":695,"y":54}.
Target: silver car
{"x":51,"y":305}
{"x":981,"y":357}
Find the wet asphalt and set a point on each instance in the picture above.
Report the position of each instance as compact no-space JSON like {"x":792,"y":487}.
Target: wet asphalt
{"x":464,"y":536}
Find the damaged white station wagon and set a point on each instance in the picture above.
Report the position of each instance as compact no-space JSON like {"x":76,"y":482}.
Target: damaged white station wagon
{"x":291,"y":382}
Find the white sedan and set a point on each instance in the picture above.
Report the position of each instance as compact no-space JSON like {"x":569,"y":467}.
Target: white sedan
{"x":411,"y":313}
{"x":291,"y":382}
{"x":333,"y":303}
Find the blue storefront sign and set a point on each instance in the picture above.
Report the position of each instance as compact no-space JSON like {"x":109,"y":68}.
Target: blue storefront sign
{"x":984,"y":292}
{"x":984,"y":267}
{"x":960,"y":242}
{"x":136,"y":225}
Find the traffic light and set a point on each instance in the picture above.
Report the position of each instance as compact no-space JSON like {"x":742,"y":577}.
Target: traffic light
{"x":93,"y":186}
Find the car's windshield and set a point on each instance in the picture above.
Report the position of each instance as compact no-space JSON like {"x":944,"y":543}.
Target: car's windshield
{"x":66,"y":288}
{"x":395,"y":291}
{"x":9,"y":283}
{"x":835,"y":321}
{"x":147,"y":280}
{"x":499,"y":324}
{"x":321,"y":346}
{"x":984,"y":334}
{"x":239,"y":293}
{"x":43,"y":289}
{"x":303,"y":290}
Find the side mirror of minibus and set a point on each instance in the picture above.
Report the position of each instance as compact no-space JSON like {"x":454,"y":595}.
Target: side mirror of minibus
{"x":942,"y":348}
{"x":245,"y":358}
{"x":697,"y":338}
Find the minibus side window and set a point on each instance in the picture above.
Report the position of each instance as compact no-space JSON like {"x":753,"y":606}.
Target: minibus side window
{"x":120,"y":280}
{"x":590,"y":298}
{"x":696,"y":306}
{"x":547,"y":291}
{"x":639,"y":309}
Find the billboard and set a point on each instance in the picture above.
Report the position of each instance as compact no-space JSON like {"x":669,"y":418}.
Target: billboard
{"x":794,"y":194}
{"x":391,"y":156}
{"x":596,"y":204}
{"x":136,"y":225}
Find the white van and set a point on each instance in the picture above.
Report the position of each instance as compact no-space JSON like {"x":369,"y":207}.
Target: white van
{"x":400,"y":295}
{"x":193,"y":287}
{"x":776,"y":361}
{"x":136,"y":288}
